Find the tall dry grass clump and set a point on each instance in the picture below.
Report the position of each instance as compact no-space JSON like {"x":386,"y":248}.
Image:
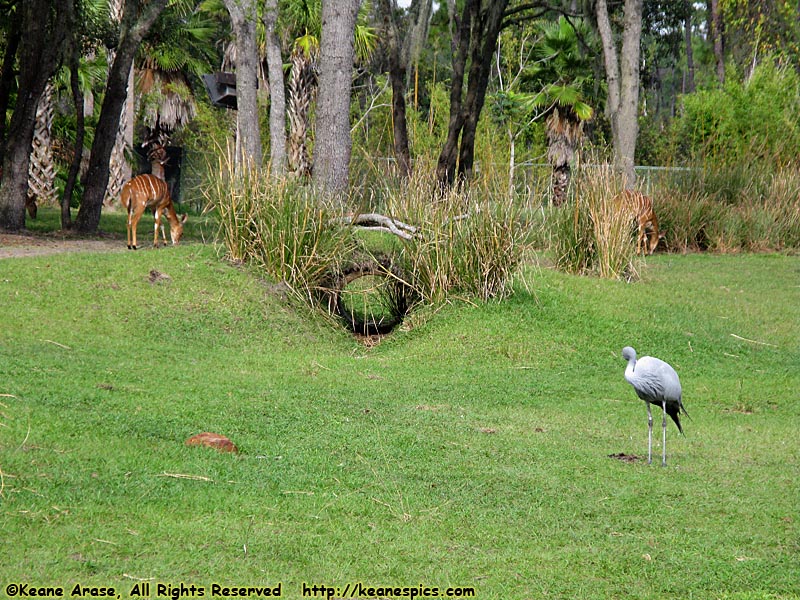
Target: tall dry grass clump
{"x":278,"y":225}
{"x":464,"y":244}
{"x":715,"y":212}
{"x":592,"y":234}
{"x":468,"y":244}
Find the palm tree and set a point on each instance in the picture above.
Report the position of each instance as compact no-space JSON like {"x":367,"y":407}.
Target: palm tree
{"x":302,"y":90}
{"x":301,"y":21}
{"x":180,"y":45}
{"x":563,"y":76}
{"x":41,"y":166}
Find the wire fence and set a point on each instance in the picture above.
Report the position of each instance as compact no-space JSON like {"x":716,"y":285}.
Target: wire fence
{"x":531,"y":180}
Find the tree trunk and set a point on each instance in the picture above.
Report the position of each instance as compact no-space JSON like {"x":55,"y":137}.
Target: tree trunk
{"x":136,"y":22}
{"x":277,"y":92}
{"x":689,"y":88}
{"x":716,"y":37}
{"x":333,"y":142}
{"x":420,"y":12}
{"x":622,"y":75}
{"x":397,"y":77}
{"x":302,"y":91}
{"x":43,"y":36}
{"x":8,"y":75}
{"x":477,"y":38}
{"x":611,"y":62}
{"x":564,"y":132}
{"x":80,"y":131}
{"x":41,"y":166}
{"x":243,"y":21}
{"x":119,"y":171}
{"x":460,"y":27}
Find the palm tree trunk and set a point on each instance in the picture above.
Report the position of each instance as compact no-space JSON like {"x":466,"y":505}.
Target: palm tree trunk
{"x":41,"y":168}
{"x":302,"y":90}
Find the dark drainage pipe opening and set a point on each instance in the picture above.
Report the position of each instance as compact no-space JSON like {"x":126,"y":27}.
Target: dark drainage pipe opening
{"x":371,"y":297}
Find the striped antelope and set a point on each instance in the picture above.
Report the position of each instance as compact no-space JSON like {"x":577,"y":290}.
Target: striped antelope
{"x":148,"y":191}
{"x":640,"y":209}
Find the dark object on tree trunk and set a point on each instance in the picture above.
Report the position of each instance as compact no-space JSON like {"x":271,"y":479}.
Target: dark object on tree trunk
{"x":221,"y":88}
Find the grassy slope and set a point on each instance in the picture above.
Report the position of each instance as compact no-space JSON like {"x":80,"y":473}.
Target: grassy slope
{"x":471,"y":450}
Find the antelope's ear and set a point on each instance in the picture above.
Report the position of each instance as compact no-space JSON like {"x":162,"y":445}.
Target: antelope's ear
{"x":184,"y":217}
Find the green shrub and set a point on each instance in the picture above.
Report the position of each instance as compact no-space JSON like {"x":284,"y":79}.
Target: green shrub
{"x":754,"y":117}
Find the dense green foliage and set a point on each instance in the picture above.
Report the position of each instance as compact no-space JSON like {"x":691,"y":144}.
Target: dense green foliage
{"x":756,"y":119}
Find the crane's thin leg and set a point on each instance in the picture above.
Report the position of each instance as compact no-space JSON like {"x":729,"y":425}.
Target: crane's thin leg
{"x":664,"y":435}
{"x":649,"y":434}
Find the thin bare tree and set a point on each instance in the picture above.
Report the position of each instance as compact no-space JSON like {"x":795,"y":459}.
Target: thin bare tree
{"x":277,"y":91}
{"x":622,"y":76}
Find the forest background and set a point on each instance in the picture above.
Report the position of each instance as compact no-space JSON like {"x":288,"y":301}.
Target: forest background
{"x":508,"y":97}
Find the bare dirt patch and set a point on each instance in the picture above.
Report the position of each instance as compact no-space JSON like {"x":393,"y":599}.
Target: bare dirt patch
{"x":628,"y":458}
{"x":15,"y":245}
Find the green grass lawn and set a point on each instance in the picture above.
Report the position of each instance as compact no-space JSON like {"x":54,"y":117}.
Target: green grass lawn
{"x":471,"y":449}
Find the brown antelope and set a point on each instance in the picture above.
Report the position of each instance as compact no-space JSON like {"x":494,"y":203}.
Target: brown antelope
{"x":640,"y":209}
{"x":148,"y":191}
{"x":30,"y":205}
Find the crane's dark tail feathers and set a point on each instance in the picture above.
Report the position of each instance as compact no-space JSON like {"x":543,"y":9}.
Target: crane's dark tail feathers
{"x":674,"y":411}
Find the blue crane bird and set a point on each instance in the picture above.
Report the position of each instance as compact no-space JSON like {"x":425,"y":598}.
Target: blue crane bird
{"x":655,"y":382}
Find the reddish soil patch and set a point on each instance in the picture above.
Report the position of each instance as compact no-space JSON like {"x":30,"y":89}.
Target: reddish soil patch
{"x":212,"y":440}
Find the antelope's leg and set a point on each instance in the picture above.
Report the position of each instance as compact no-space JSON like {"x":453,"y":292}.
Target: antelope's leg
{"x":156,"y":225}
{"x":133,"y":223}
